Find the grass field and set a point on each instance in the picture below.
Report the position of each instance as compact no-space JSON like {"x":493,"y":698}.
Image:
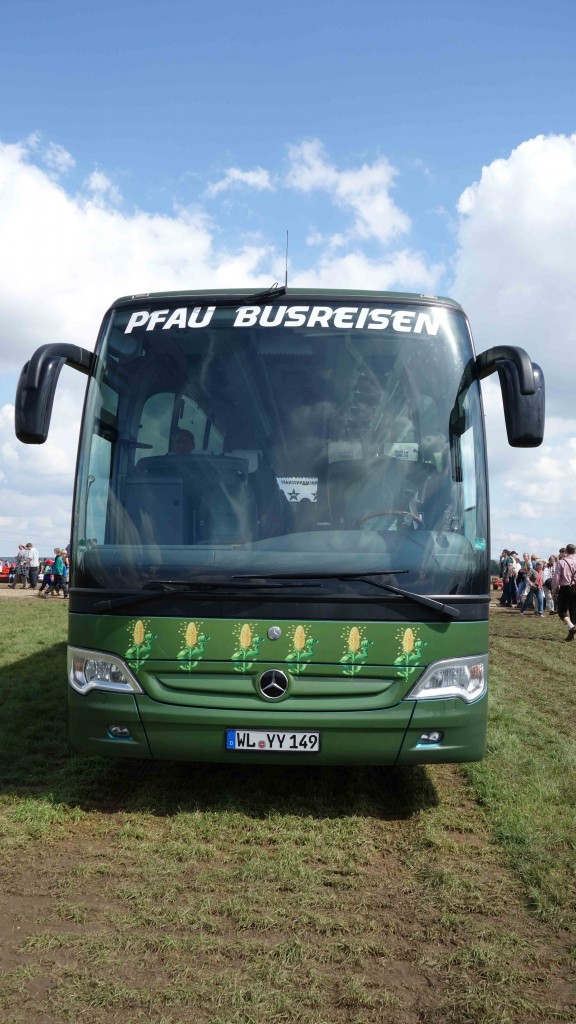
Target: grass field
{"x":165,"y":893}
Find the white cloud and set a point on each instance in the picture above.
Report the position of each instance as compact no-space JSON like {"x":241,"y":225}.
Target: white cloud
{"x":100,"y":185}
{"x":403,"y":270}
{"x":258,"y":179}
{"x":517,"y":250}
{"x":65,"y":257}
{"x":315,"y":237}
{"x":364,"y":191}
{"x":514,"y":275}
{"x":55,"y":158}
{"x":58,"y":159}
{"x":36,"y":480}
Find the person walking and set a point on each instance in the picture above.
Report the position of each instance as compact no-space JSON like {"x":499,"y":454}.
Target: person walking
{"x":526,"y":592}
{"x":548,"y":578}
{"x":33,"y":565}
{"x":522,"y":572}
{"x":564,"y":589}
{"x":65,"y":569}
{"x":538,"y":589}
{"x":508,"y":573}
{"x":47,"y":579}
{"x":58,"y":582}
{"x":21,"y":568}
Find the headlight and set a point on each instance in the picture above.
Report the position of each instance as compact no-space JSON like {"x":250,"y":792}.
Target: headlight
{"x":91,"y":670}
{"x":466,"y":678}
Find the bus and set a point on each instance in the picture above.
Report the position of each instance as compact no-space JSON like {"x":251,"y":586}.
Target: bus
{"x":280,"y":533}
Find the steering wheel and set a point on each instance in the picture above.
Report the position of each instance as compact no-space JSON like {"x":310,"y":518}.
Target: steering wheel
{"x":389,"y":512}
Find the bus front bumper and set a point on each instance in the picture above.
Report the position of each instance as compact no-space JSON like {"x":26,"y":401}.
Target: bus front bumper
{"x":125,"y":725}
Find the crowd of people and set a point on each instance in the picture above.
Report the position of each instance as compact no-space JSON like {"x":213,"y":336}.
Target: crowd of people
{"x":541,"y":584}
{"x":48,"y":576}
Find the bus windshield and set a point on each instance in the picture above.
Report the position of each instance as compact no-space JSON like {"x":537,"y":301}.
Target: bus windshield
{"x":294,"y":436}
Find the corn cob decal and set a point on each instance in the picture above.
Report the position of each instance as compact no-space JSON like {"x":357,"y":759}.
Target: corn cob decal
{"x":410,"y":652}
{"x":194,"y":646}
{"x":248,"y":648}
{"x":302,"y":650}
{"x":355,"y":651}
{"x":141,"y":645}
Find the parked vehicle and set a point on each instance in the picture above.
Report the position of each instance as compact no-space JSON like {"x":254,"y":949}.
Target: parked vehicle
{"x":280,"y":545}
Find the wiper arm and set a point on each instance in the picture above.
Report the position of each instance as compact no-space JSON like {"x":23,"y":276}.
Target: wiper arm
{"x":137,"y":596}
{"x":207,"y":583}
{"x":428,"y":602}
{"x":316,"y":575}
{"x":155,"y":589}
{"x":169,"y":588}
{"x":149,"y":592}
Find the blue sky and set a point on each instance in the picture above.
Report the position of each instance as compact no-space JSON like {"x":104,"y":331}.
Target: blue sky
{"x":166,"y":96}
{"x":174,"y":144}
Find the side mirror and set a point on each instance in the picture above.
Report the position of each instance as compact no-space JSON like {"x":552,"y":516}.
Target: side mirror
{"x":37,"y":385}
{"x":523,"y":393}
{"x":522,"y":386}
{"x":524,"y":414}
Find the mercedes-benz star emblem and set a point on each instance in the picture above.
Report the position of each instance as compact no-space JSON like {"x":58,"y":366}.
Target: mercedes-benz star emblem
{"x":273,"y":684}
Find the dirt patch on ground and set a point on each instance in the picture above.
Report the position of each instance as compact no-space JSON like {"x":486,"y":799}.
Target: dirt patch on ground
{"x":6,"y":591}
{"x":201,"y":915}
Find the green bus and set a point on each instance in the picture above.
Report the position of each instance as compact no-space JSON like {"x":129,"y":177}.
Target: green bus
{"x":280,"y":534}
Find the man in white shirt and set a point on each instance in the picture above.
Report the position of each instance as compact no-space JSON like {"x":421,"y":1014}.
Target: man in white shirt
{"x":33,"y":565}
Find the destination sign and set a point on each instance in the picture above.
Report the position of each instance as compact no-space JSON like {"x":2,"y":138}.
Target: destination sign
{"x":340,"y":318}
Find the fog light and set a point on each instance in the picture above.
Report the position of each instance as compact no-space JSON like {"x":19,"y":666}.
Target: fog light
{"x":431,"y":736}
{"x":119,"y":732}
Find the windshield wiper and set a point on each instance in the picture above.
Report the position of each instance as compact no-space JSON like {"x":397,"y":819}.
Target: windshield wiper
{"x":316,"y":575}
{"x":155,"y":589}
{"x":277,"y":581}
{"x":428,"y":602}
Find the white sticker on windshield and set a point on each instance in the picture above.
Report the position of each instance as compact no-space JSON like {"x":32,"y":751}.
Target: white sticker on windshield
{"x":405,"y":450}
{"x":299,"y":488}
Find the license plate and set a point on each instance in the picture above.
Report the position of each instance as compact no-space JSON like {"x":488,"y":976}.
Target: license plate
{"x":273,"y":742}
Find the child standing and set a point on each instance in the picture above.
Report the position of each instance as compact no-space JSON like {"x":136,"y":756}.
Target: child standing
{"x":47,"y":579}
{"x":59,"y":581}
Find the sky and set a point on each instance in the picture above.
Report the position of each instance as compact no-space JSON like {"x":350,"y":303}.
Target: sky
{"x":403,"y":144}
